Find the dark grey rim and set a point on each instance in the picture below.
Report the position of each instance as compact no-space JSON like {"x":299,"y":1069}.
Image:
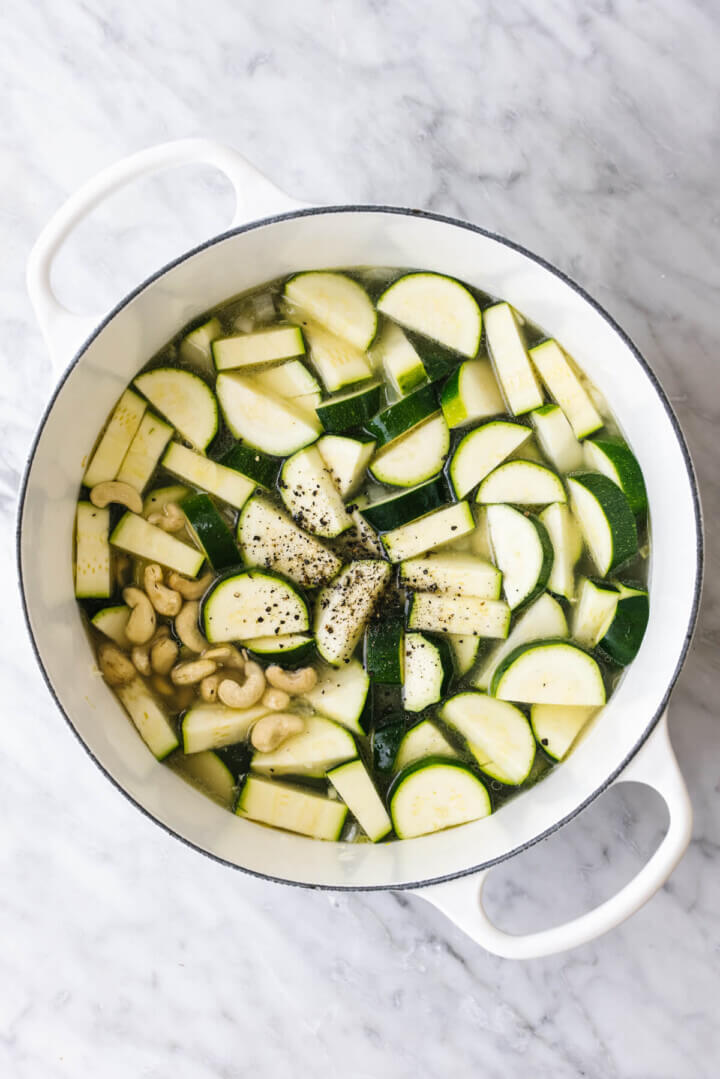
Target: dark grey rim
{"x":639,"y":358}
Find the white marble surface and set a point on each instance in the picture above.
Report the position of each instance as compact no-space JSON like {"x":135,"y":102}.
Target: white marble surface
{"x":588,"y":131}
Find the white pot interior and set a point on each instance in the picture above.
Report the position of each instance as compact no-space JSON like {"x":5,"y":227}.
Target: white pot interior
{"x":238,"y":262}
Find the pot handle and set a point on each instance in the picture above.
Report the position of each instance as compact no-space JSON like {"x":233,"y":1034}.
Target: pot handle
{"x":255,"y":195}
{"x":654,"y":765}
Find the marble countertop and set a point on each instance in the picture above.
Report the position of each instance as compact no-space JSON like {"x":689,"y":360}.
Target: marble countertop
{"x":587,"y":131}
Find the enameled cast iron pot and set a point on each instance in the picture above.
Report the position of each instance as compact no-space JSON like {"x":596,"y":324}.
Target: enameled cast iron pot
{"x":630,"y":740}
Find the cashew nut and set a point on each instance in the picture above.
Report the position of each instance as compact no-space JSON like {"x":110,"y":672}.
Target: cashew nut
{"x":115,"y":666}
{"x":163,"y":655}
{"x":171,"y":519}
{"x":209,"y":688}
{"x":141,"y":623}
{"x":227,"y":655}
{"x":165,"y":600}
{"x":162,"y":686}
{"x":102,"y":494}
{"x":275,"y":699}
{"x":274,"y":729}
{"x":300,"y":681}
{"x":235,"y":695}
{"x":192,"y":671}
{"x":140,"y":655}
{"x":188,"y":588}
{"x":186,"y":627}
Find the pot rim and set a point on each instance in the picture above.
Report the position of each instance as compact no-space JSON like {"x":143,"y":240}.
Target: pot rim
{"x":545,"y":264}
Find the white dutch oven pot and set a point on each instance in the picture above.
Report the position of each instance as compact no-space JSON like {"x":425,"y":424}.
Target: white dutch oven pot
{"x":630,"y":741}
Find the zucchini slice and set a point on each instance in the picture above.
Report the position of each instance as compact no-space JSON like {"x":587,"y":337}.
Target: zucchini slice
{"x":357,"y":790}
{"x":399,"y":418}
{"x":345,"y":605}
{"x":459,"y":574}
{"x":116,"y":438}
{"x":209,"y":530}
{"x":308,"y":491}
{"x":211,"y":726}
{"x":291,"y":808}
{"x":321,"y":746}
{"x":185,"y":400}
{"x":415,"y":457}
{"x":523,"y":552}
{"x":144,"y":452}
{"x":481,"y":451}
{"x":385,"y":650}
{"x":137,"y":536}
{"x":401,"y":364}
{"x":270,"y":423}
{"x":594,"y":611}
{"x":471,"y":393}
{"x":605,"y":518}
{"x":400,"y":509}
{"x":544,"y":618}
{"x":195,"y":347}
{"x":435,"y":794}
{"x":160,"y":497}
{"x":556,"y":438}
{"x":268,"y":537}
{"x":93,"y":568}
{"x":290,"y":649}
{"x":350,"y":409}
{"x":616,"y":460}
{"x":566,"y":388}
{"x":336,"y":302}
{"x":264,"y":346}
{"x":149,"y":717}
{"x":111,"y":622}
{"x":437,"y":307}
{"x":622,"y":638}
{"x":340,"y":693}
{"x":497,"y":733}
{"x":250,"y":604}
{"x":524,"y":483}
{"x":549,"y":672}
{"x":338,"y":362}
{"x":428,"y":671}
{"x":465,"y":651}
{"x":436,"y":612}
{"x":293,"y":382}
{"x":567,"y":547}
{"x":346,"y":460}
{"x":423,"y":740}
{"x":225,"y":483}
{"x":429,"y":531}
{"x":556,"y":726}
{"x":209,"y":772}
{"x":385,"y":743}
{"x":510,"y":359}
{"x":261,"y":469}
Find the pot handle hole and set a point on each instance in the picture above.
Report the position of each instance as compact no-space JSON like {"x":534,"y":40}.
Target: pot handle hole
{"x":461,"y":899}
{"x":256,"y":197}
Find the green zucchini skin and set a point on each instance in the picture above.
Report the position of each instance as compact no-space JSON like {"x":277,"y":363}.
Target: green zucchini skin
{"x":408,"y":505}
{"x":341,"y":413}
{"x":212,"y":532}
{"x":617,"y":510}
{"x":626,"y":466}
{"x":385,"y":742}
{"x":406,"y":413}
{"x":256,"y":465}
{"x":384,"y":644}
{"x":624,"y":636}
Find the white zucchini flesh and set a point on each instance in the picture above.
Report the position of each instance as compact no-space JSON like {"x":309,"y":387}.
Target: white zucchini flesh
{"x":465,"y":651}
{"x":543,"y":619}
{"x":340,"y":693}
{"x":93,"y":567}
{"x":497,"y":733}
{"x":427,"y":532}
{"x":567,"y":547}
{"x":556,"y":438}
{"x":294,"y":382}
{"x":263,"y":346}
{"x":364,"y":536}
{"x":144,"y":452}
{"x":415,"y":456}
{"x":605,"y":518}
{"x":336,"y":302}
{"x":523,"y":483}
{"x":472,"y":393}
{"x":344,"y":606}
{"x":522,"y":552}
{"x":480,"y":536}
{"x":594,"y":611}
{"x":434,"y":612}
{"x":435,"y":796}
{"x":347,"y":460}
{"x":149,"y":717}
{"x":556,"y":726}
{"x":400,"y":363}
{"x":200,"y":471}
{"x":482,"y":450}
{"x":357,"y":790}
{"x":207,"y":771}
{"x":425,"y":675}
{"x":185,"y":400}
{"x":111,"y":621}
{"x":549,"y":672}
{"x":252,"y":604}
{"x":195,"y":346}
{"x":270,"y":423}
{"x":137,"y":536}
{"x":269,"y":538}
{"x":211,"y":726}
{"x":116,"y":438}
{"x":338,"y":362}
{"x":309,"y":492}
{"x":321,"y":746}
{"x":438,"y":307}
{"x":295,"y":810}
{"x":566,"y":388}
{"x":457,"y":573}
{"x":510,"y":359}
{"x":424,"y":740}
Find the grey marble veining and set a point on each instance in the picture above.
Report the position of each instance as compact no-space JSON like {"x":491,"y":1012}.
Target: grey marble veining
{"x":587,"y":131}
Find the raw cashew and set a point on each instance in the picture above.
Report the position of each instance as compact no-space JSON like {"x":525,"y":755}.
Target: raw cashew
{"x":171,"y":519}
{"x":116,"y":667}
{"x":300,"y":681}
{"x":163,"y":655}
{"x":192,"y":672}
{"x":226,"y":655}
{"x":274,"y":729}
{"x":188,"y":588}
{"x":275,"y":699}
{"x":235,"y":695}
{"x":162,"y":686}
{"x":209,"y":688}
{"x":141,"y":623}
{"x":141,"y":658}
{"x":102,"y":494}
{"x":165,"y":600}
{"x":186,"y":627}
